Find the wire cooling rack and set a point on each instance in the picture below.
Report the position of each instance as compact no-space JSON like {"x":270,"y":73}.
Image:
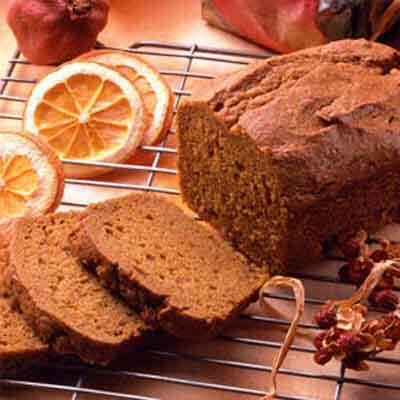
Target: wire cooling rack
{"x":235,"y":365}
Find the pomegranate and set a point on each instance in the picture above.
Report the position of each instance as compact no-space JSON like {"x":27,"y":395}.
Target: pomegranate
{"x":53,"y":31}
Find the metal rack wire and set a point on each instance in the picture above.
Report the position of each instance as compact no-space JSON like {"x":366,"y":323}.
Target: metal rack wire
{"x":77,"y":386}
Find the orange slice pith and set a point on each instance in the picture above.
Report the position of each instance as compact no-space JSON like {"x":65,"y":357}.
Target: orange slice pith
{"x":156,"y":94}
{"x":31,"y":178}
{"x":88,"y":112}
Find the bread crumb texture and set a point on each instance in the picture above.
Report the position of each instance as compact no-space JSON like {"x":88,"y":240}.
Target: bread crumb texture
{"x":293,"y":152}
{"x":191,"y":280}
{"x":66,"y":305}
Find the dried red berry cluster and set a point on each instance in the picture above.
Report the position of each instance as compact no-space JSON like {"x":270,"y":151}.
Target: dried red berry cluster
{"x":350,"y":338}
{"x":361,"y":260}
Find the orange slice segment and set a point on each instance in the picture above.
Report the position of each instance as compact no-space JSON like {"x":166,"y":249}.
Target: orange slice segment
{"x":31,"y":178}
{"x":155,"y":92}
{"x":87,"y":111}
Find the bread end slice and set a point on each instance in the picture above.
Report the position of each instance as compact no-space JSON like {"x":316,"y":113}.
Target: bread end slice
{"x":20,"y":348}
{"x":65,"y":304}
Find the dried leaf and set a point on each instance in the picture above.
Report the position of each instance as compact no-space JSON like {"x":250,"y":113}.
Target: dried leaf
{"x":350,"y":318}
{"x":370,"y":342}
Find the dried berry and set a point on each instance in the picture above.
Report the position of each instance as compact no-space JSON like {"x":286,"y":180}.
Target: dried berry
{"x":348,"y":342}
{"x":361,"y":260}
{"x":319,"y":340}
{"x":353,"y":339}
{"x":387,"y":282}
{"x":379,"y":255}
{"x":323,"y":356}
{"x":326,"y":317}
{"x":355,"y":271}
{"x":385,"y":299}
{"x":352,"y":246}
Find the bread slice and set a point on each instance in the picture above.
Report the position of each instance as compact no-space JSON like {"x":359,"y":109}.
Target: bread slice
{"x":20,"y":348}
{"x":65,"y":304}
{"x":176,"y":271}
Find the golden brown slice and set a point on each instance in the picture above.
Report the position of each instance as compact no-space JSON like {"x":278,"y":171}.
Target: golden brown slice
{"x":20,"y":348}
{"x":175,"y":271}
{"x":86,"y":112}
{"x":66,"y":305}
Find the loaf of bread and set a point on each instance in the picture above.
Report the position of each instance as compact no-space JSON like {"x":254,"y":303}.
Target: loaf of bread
{"x":292,"y":152}
{"x":176,"y":272}
{"x":20,"y":348}
{"x":66,"y":305}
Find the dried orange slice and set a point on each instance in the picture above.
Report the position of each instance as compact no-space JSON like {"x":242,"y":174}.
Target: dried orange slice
{"x":31,"y":178}
{"x":153,"y":88}
{"x":86,"y":112}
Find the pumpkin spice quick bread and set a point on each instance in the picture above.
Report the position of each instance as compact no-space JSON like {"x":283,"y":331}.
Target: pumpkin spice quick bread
{"x":177,"y":272}
{"x":295,"y":151}
{"x":65,"y":304}
{"x":20,"y":348}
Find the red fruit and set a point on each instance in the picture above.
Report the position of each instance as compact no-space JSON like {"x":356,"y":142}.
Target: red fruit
{"x":379,"y":255}
{"x":319,"y":339}
{"x":348,"y":342}
{"x":322,"y":356}
{"x":356,"y":271}
{"x":53,"y":31}
{"x":387,"y":282}
{"x":325,"y":317}
{"x":385,"y":299}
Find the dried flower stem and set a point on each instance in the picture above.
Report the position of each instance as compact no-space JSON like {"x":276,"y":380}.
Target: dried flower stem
{"x":298,"y":290}
{"x":370,"y":283}
{"x":351,"y":338}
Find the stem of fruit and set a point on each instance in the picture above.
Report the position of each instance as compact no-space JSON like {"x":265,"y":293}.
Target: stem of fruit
{"x":79,"y":8}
